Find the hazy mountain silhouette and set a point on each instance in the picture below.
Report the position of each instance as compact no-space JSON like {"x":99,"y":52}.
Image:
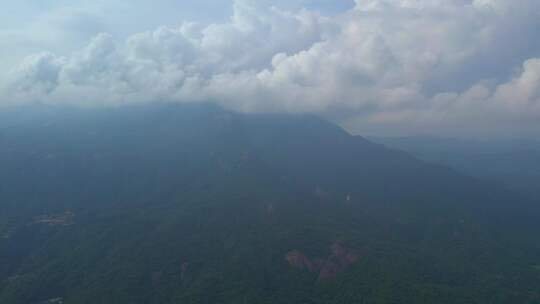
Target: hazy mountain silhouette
{"x":195,"y":204}
{"x":511,"y":163}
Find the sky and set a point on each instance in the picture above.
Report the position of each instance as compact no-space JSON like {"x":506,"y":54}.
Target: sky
{"x":378,"y":67}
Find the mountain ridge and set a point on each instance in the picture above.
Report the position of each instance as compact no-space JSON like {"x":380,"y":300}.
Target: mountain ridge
{"x":196,"y":204}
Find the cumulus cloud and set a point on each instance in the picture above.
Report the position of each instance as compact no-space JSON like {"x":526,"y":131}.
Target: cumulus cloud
{"x":406,"y":63}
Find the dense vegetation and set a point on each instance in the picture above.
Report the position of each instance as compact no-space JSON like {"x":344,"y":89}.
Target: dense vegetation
{"x":193,"y":204}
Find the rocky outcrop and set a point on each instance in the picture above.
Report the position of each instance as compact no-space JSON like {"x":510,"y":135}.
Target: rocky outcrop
{"x":298,"y":260}
{"x":340,"y":259}
{"x":344,"y":255}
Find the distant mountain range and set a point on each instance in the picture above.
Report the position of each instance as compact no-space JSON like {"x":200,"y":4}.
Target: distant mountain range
{"x":196,"y":204}
{"x":514,"y":164}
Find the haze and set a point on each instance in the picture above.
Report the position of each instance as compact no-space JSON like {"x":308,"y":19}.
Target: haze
{"x":269,"y":152}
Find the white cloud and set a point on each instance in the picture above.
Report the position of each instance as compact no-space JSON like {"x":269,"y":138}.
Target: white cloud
{"x":407,"y":63}
{"x":38,"y":73}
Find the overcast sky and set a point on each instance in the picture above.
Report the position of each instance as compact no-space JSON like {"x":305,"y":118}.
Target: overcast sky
{"x":383,"y":67}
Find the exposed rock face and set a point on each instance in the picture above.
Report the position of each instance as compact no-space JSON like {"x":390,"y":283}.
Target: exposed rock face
{"x":340,"y":259}
{"x":330,"y":270}
{"x":345,"y":255}
{"x":298,"y":260}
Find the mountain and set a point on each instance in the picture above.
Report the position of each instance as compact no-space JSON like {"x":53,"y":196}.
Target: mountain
{"x":514,"y":164}
{"x":196,"y":204}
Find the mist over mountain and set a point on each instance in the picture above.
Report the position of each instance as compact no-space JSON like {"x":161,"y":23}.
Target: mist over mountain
{"x":269,"y":152}
{"x":512,"y":163}
{"x":402,"y":67}
{"x":169,"y":203}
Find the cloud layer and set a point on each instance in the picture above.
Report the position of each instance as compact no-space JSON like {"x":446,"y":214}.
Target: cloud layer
{"x":448,"y":65}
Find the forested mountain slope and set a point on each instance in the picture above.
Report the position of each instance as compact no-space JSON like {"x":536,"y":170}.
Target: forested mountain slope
{"x":195,"y":204}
